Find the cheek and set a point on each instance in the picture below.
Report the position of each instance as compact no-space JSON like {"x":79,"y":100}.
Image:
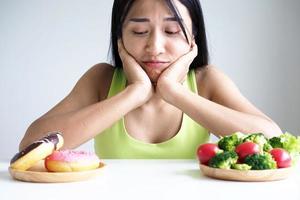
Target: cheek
{"x":178,"y":49}
{"x":132,"y":46}
{"x":133,"y":50}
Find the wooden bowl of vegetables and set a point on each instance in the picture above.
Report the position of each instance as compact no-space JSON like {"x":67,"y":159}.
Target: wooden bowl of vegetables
{"x":251,"y":157}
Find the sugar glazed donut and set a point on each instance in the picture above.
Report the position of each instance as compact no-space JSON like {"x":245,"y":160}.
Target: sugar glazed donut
{"x":37,"y":151}
{"x":71,"y":161}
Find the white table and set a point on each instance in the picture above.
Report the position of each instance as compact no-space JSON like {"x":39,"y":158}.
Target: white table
{"x":150,"y":179}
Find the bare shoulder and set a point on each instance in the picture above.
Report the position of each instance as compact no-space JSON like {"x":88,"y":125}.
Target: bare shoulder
{"x":209,"y":79}
{"x":90,"y":88}
{"x":99,"y":78}
{"x":219,"y":88}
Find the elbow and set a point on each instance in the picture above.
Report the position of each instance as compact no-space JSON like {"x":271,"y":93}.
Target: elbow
{"x":30,"y":135}
{"x":268,"y":127}
{"x":271,"y":130}
{"x":25,"y":140}
{"x":22,"y":144}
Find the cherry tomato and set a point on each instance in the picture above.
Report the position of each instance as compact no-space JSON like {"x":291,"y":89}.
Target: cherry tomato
{"x":206,"y":151}
{"x":245,"y":149}
{"x":282,"y":157}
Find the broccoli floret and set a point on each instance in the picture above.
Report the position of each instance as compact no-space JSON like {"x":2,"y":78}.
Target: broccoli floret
{"x":223,"y":160}
{"x":261,"y":161}
{"x":276,"y":142}
{"x":259,"y":139}
{"x":241,"y":166}
{"x":228,"y":143}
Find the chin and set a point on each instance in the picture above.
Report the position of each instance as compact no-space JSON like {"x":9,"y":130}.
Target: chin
{"x":154,"y":77}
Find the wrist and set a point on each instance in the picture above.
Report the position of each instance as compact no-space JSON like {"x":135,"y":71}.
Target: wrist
{"x":170,"y":90}
{"x":140,"y":94}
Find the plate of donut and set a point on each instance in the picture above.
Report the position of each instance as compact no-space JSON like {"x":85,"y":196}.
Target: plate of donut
{"x":38,"y":173}
{"x":43,"y":161}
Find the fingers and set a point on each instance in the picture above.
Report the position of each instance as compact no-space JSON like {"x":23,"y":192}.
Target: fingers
{"x":124,"y":55}
{"x":119,"y":44}
{"x":194,"y":50}
{"x":188,"y":58}
{"x":179,"y":69}
{"x":121,"y":49}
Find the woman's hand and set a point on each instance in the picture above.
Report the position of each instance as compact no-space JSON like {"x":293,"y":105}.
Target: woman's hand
{"x":135,"y":74}
{"x":176,"y":73}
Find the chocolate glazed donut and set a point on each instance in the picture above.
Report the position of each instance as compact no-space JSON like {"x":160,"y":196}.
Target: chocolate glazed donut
{"x":37,"y":151}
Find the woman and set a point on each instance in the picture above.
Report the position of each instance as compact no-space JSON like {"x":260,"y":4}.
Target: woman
{"x":162,"y":98}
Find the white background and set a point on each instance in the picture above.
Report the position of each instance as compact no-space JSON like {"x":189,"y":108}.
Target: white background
{"x":46,"y":46}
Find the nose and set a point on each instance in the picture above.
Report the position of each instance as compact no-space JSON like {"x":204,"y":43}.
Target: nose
{"x":155,"y":44}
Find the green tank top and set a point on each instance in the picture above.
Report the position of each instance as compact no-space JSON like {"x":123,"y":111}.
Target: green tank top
{"x":115,"y":143}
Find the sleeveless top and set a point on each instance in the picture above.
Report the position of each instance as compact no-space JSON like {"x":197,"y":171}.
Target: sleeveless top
{"x":115,"y":143}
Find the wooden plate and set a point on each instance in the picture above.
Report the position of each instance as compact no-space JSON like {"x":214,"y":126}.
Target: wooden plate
{"x":246,"y":175}
{"x":39,"y":174}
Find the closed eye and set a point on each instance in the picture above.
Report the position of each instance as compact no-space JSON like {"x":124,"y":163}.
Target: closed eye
{"x":172,"y":32}
{"x":140,"y":32}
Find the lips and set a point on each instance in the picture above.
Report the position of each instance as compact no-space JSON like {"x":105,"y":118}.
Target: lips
{"x":156,"y":63}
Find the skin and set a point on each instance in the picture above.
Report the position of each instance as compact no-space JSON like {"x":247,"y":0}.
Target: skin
{"x":156,"y":59}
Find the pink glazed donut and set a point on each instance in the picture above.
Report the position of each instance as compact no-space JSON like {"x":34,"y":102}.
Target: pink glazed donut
{"x":71,"y":161}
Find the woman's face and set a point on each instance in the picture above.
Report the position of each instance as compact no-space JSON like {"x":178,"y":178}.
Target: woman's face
{"x":153,"y":37}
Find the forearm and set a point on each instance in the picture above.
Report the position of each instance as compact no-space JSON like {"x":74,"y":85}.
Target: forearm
{"x":81,"y":125}
{"x":219,"y":119}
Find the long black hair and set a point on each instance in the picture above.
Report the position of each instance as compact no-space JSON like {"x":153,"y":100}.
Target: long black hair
{"x":121,"y":8}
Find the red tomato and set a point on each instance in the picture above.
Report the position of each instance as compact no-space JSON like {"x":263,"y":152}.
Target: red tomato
{"x":245,"y":149}
{"x":206,"y":151}
{"x":282,"y":157}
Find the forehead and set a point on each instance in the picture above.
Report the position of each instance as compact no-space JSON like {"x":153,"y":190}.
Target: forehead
{"x":157,"y":9}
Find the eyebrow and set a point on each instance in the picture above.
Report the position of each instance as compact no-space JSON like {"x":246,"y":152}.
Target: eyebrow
{"x":143,"y":19}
